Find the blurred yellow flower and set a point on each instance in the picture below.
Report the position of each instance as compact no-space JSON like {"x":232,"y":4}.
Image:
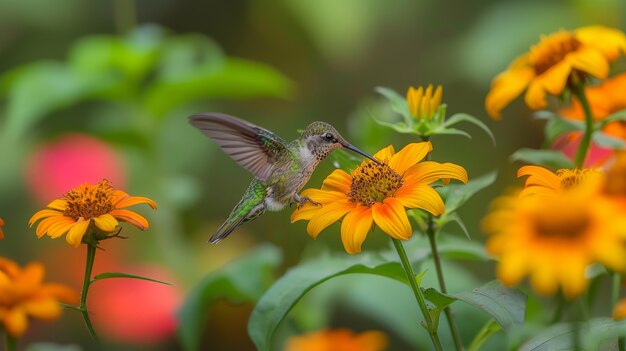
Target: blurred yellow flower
{"x":23,"y":294}
{"x":541,"y":180}
{"x":549,"y":65}
{"x":554,"y":237}
{"x":604,"y":99}
{"x":1,"y":225}
{"x":100,"y":204}
{"x":379,"y":194}
{"x":424,"y":104}
{"x":338,"y":340}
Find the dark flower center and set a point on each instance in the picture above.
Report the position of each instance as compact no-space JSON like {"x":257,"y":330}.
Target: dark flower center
{"x":552,"y":50}
{"x":373,"y":183}
{"x":89,"y":201}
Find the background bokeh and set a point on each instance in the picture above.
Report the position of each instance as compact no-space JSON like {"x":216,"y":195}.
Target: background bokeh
{"x":102,"y":89}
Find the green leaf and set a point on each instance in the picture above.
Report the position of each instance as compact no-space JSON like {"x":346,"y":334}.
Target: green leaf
{"x":38,"y":89}
{"x":607,"y":141}
{"x":290,"y":288}
{"x":398,"y":104}
{"x":464,"y":117}
{"x":557,"y":125}
{"x":596,"y":334}
{"x":110,"y":275}
{"x":452,"y":217}
{"x":615,"y":117}
{"x":245,"y":279}
{"x":548,"y":158}
{"x":450,"y":131}
{"x":507,"y":306}
{"x":455,"y":195}
{"x":490,"y":328}
{"x":345,"y":160}
{"x":399,"y":127}
{"x":235,"y":79}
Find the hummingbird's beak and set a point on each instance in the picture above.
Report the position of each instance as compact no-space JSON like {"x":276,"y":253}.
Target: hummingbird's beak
{"x":361,"y":152}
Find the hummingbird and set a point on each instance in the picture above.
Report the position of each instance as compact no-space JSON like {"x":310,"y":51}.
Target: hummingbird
{"x":280,"y":168}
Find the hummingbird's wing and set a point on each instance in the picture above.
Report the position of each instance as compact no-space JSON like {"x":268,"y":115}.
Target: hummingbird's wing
{"x":252,"y":147}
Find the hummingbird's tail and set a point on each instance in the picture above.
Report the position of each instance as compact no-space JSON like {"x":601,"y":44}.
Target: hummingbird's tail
{"x":249,"y":207}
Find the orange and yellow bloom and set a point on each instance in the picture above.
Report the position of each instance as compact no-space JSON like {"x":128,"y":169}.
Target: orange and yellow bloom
{"x":380,"y":194}
{"x":23,"y":294}
{"x":424,"y":104}
{"x":338,"y":340}
{"x":541,"y":180}
{"x":604,"y":100}
{"x":99,"y":205}
{"x":550,"y":64}
{"x":553,"y":236}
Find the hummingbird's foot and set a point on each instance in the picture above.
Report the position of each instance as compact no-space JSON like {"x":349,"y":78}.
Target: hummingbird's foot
{"x":301,"y":200}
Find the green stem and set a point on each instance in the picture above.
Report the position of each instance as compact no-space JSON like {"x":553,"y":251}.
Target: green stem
{"x":490,"y":328}
{"x":417,"y":291}
{"x":583,"y":147}
{"x":10,"y":342}
{"x":125,"y":15}
{"x":91,"y":256}
{"x":617,"y":283}
{"x":458,"y":344}
{"x":558,"y":312}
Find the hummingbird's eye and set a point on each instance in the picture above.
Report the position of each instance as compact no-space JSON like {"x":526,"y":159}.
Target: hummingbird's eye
{"x":329,"y":137}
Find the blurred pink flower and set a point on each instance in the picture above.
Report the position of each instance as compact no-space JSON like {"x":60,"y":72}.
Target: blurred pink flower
{"x":568,"y":145}
{"x":71,"y":160}
{"x":136,"y":311}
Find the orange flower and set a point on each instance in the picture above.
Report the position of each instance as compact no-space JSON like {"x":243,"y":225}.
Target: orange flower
{"x":549,"y":65}
{"x":23,"y":294}
{"x":541,"y":180}
{"x":1,"y":225}
{"x":554,"y":237}
{"x":619,"y":312}
{"x":379,"y":194}
{"x":604,"y":99}
{"x":338,"y":340}
{"x":99,"y":204}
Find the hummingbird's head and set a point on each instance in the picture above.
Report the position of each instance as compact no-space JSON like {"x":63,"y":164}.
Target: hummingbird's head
{"x":321,"y":139}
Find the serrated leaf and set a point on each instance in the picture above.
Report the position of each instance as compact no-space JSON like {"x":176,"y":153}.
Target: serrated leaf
{"x":596,"y":334}
{"x":548,"y":158}
{"x":398,"y":104}
{"x":464,"y":117}
{"x":245,"y":279}
{"x":290,"y":288}
{"x":110,"y":275}
{"x":455,"y":195}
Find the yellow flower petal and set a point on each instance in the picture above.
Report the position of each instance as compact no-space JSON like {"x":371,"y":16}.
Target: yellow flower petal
{"x":15,"y":322}
{"x":592,"y":62}
{"x":324,"y":196}
{"x":507,"y":86}
{"x":60,"y":227}
{"x":58,"y":204}
{"x":306,"y":212}
{"x":131,"y":217}
{"x":76,"y":233}
{"x":106,"y":222}
{"x":31,"y":276}
{"x":429,"y":171}
{"x":409,"y":156}
{"x":338,"y":181}
{"x":354,"y":228}
{"x":385,"y":154}
{"x":134,"y":200}
{"x":539,"y":176}
{"x":43,"y":214}
{"x":610,"y":42}
{"x":326,"y":216}
{"x":391,"y":217}
{"x":45,"y":309}
{"x":554,"y":79}
{"x":420,"y":196}
{"x":535,"y":96}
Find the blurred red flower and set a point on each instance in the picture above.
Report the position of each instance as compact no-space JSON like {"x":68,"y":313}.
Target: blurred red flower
{"x":71,"y":160}
{"x":568,"y":145}
{"x":136,"y":311}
